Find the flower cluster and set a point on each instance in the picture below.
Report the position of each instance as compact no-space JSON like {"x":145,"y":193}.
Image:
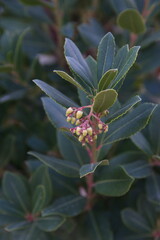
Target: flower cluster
{"x":88,"y":126}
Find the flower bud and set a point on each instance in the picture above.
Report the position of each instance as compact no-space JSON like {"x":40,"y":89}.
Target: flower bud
{"x":78,"y":129}
{"x":95,"y":137}
{"x":106,"y":129}
{"x":69,"y":110}
{"x":68,"y":119}
{"x":84,"y":133}
{"x":73,"y":119}
{"x":79,"y":114}
{"x":90,"y":131}
{"x":100,"y":126}
{"x":78,"y":122}
{"x":80,"y":138}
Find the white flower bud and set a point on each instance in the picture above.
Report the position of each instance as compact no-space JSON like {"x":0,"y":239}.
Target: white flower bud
{"x":95,"y":137}
{"x":84,"y":133}
{"x":69,"y":110}
{"x":68,"y":119}
{"x":100,"y":126}
{"x":73,"y":119}
{"x":90,"y":131}
{"x":78,"y":122}
{"x":79,"y":114}
{"x":80,"y":138}
{"x":106,"y":129}
{"x":78,"y":129}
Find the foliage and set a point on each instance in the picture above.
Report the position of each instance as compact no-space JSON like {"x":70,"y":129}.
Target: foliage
{"x":87,"y":166}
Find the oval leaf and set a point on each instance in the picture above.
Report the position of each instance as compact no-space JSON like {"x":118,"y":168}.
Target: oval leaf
{"x":39,"y":199}
{"x":104,"y":100}
{"x":90,"y":168}
{"x":131,"y":20}
{"x":107,"y":78}
{"x":49,"y":224}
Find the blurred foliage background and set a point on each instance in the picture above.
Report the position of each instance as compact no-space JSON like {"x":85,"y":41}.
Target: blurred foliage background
{"x":32,"y":35}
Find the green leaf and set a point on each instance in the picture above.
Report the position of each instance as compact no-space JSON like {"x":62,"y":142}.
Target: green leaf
{"x":72,"y":151}
{"x":98,"y":226}
{"x":9,"y":219}
{"x":16,"y":95}
{"x":154,"y":131}
{"x":68,"y":78}
{"x":113,"y":181}
{"x":56,"y":113}
{"x":123,"y":109}
{"x":106,"y":79}
{"x":127,"y":64}
{"x":9,"y":208}
{"x":55,"y":94}
{"x":39,"y":199}
{"x":135,"y":164}
{"x":16,"y":191}
{"x":76,"y":62}
{"x":66,"y":168}
{"x":141,"y":142}
{"x":18,"y":56}
{"x":91,"y":167}
{"x":5,"y":155}
{"x":135,"y":221}
{"x":104,"y":100}
{"x":121,"y":57}
{"x":129,"y":124}
{"x":106,"y":52}
{"x":131,"y":20}
{"x":17,"y":226}
{"x":41,"y":177}
{"x":49,"y":224}
{"x":153,"y":188}
{"x":93,"y":68}
{"x":68,"y":206}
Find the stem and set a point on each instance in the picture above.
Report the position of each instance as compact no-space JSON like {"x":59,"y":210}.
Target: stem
{"x":89,"y":177}
{"x":58,"y":15}
{"x":145,"y":11}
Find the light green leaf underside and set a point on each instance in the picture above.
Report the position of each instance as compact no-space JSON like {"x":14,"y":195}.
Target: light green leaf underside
{"x":90,"y":168}
{"x":107,"y":79}
{"x":104,"y":100}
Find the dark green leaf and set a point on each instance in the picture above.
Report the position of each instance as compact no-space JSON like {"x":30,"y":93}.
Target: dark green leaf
{"x":141,"y":142}
{"x":106,"y":52}
{"x":130,"y":124}
{"x":91,"y":167}
{"x":69,"y":206}
{"x":113,"y":181}
{"x":39,"y":199}
{"x":56,"y":113}
{"x":104,"y":100}
{"x":9,"y":208}
{"x":16,"y":191}
{"x":49,"y":224}
{"x":17,"y":226}
{"x":6,"y":68}
{"x":107,"y":79}
{"x":55,"y":94}
{"x":135,"y":221}
{"x":63,"y":167}
{"x":123,"y":109}
{"x":153,"y":188}
{"x":131,"y":20}
{"x":127,"y":64}
{"x":16,"y":95}
{"x":93,"y":68}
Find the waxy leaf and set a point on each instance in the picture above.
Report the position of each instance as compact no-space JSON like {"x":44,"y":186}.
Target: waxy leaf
{"x":17,"y":226}
{"x":107,"y":79}
{"x":113,"y":181}
{"x":123,"y":109}
{"x":49,"y":224}
{"x":39,"y":199}
{"x":68,"y":78}
{"x":127,"y":64}
{"x":63,"y":167}
{"x":91,"y":167}
{"x":16,"y":191}
{"x":141,"y":142}
{"x":69,"y":206}
{"x":130,"y":124}
{"x":153,"y":188}
{"x":131,"y":20}
{"x":135,"y":221}
{"x":56,"y":113}
{"x":92,"y":63}
{"x":104,"y":100}
{"x":55,"y":94}
{"x":106,"y":52}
